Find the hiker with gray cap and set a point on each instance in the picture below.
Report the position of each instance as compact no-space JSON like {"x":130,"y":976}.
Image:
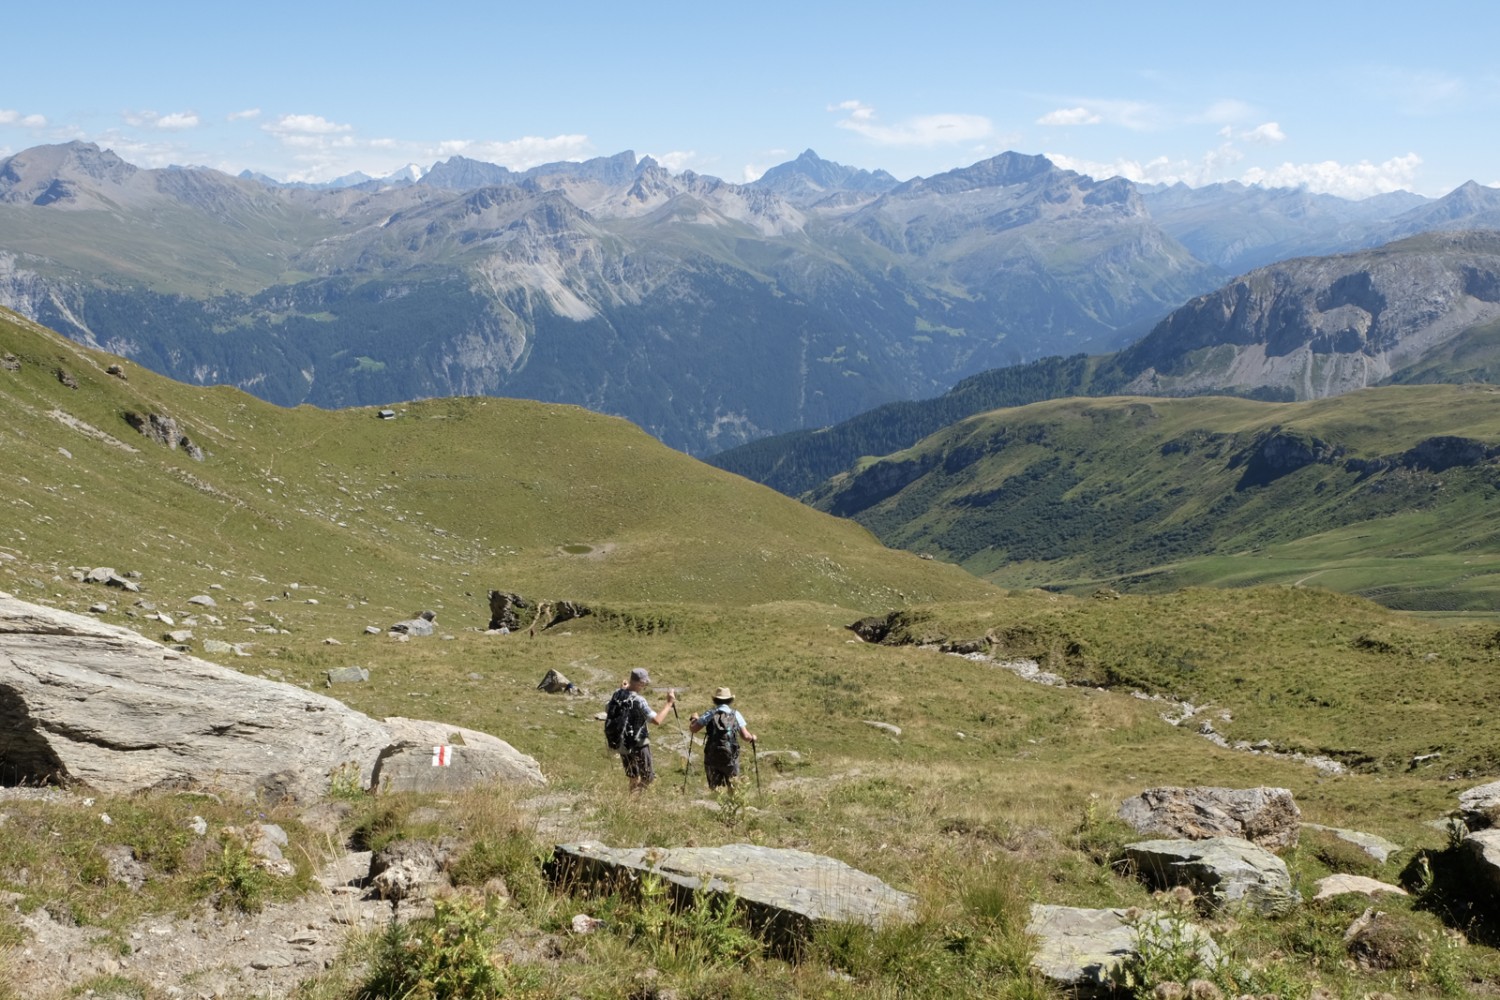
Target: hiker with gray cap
{"x":626,"y":727}
{"x":721,"y":746}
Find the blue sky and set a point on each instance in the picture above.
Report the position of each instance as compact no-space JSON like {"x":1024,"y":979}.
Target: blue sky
{"x":1351,"y":98}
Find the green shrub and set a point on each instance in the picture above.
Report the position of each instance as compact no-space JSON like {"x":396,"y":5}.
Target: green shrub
{"x":448,"y":956}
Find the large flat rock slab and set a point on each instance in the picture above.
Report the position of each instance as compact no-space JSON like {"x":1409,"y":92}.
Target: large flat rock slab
{"x":86,"y":702}
{"x":1081,"y":949}
{"x":434,"y":757}
{"x":785,"y":892}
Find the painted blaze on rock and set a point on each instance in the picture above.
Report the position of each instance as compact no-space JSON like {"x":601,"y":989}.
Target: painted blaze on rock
{"x":784,"y":892}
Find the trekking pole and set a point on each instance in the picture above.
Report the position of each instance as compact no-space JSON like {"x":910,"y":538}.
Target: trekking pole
{"x":755,"y":756}
{"x":689,"y":764}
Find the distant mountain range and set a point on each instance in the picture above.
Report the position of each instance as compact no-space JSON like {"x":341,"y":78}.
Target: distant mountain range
{"x":1425,"y":309}
{"x":711,"y":314}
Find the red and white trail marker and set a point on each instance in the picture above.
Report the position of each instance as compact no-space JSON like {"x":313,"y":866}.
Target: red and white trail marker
{"x":442,"y":756}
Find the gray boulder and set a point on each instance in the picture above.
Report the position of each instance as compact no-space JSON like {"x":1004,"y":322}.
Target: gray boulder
{"x":1268,"y":817}
{"x":435,"y":757}
{"x":82,"y":701}
{"x":784,"y":892}
{"x":1228,"y":873}
{"x":414,"y":626}
{"x":1081,"y":950}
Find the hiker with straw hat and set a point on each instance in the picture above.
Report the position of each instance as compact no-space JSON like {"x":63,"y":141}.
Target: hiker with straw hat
{"x":721,"y":746}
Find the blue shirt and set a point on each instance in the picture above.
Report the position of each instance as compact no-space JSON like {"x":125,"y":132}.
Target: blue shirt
{"x":739,"y":720}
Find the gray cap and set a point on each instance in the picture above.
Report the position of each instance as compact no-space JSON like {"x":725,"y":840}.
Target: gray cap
{"x":639,"y":674}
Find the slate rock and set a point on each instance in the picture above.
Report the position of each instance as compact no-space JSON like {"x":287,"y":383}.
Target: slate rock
{"x":1268,"y":817}
{"x":784,"y":892}
{"x":1081,"y":949}
{"x":1229,"y":873}
{"x":347,"y":675}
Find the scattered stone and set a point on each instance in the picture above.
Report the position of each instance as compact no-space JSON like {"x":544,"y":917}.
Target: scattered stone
{"x":221,"y":648}
{"x":330,"y":641}
{"x":99,"y":608}
{"x":1268,"y":817}
{"x":413,"y":626}
{"x":123,"y":866}
{"x":348,"y":675}
{"x":555,"y":683}
{"x":67,"y":378}
{"x":1343,"y":885}
{"x":585,"y":924}
{"x":10,"y":362}
{"x":372,"y":630}
{"x":117,"y":371}
{"x":409,"y":869}
{"x":1225,"y":872}
{"x":203,"y":601}
{"x":784,"y":892}
{"x":886,"y":726}
{"x":1376,"y":847}
{"x":179,"y":636}
{"x":1081,"y":949}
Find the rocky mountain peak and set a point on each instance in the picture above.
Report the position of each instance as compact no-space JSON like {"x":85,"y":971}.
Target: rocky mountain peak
{"x":45,"y":175}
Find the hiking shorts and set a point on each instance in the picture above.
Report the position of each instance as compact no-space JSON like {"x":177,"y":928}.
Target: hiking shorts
{"x":637,"y":764}
{"x":720,"y":773}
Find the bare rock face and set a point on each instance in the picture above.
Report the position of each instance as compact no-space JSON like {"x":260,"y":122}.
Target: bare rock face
{"x":1268,"y":817}
{"x":85,"y":702}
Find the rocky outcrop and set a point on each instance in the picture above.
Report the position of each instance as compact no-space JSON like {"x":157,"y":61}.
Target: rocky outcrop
{"x":1267,"y":817}
{"x":784,"y":892}
{"x":1374,"y":845}
{"x":164,"y":431}
{"x":85,"y":702}
{"x":1321,"y":326}
{"x":1226,"y":873}
{"x":1479,"y":807}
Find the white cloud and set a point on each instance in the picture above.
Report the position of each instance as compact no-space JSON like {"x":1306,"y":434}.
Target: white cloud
{"x":175,"y":122}
{"x":1070,"y":116}
{"x":304,"y":125}
{"x":235,"y":116}
{"x":1266,"y":134}
{"x":1348,"y":180}
{"x":9,"y":117}
{"x":518,"y":154}
{"x":923,"y":130}
{"x":676,"y":161}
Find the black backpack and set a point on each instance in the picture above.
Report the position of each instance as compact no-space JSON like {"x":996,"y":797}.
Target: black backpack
{"x":624,"y":729}
{"x":721,"y":738}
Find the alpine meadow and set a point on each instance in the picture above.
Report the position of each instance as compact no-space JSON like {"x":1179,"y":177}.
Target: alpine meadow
{"x":1156,"y":662}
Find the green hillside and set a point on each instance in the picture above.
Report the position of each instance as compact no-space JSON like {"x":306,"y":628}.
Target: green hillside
{"x":450,"y":496}
{"x":1387,"y":493}
{"x":310,"y":526}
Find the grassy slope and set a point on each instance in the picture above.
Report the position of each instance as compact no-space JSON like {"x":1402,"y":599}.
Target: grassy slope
{"x":1160,"y":493}
{"x":995,"y":786}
